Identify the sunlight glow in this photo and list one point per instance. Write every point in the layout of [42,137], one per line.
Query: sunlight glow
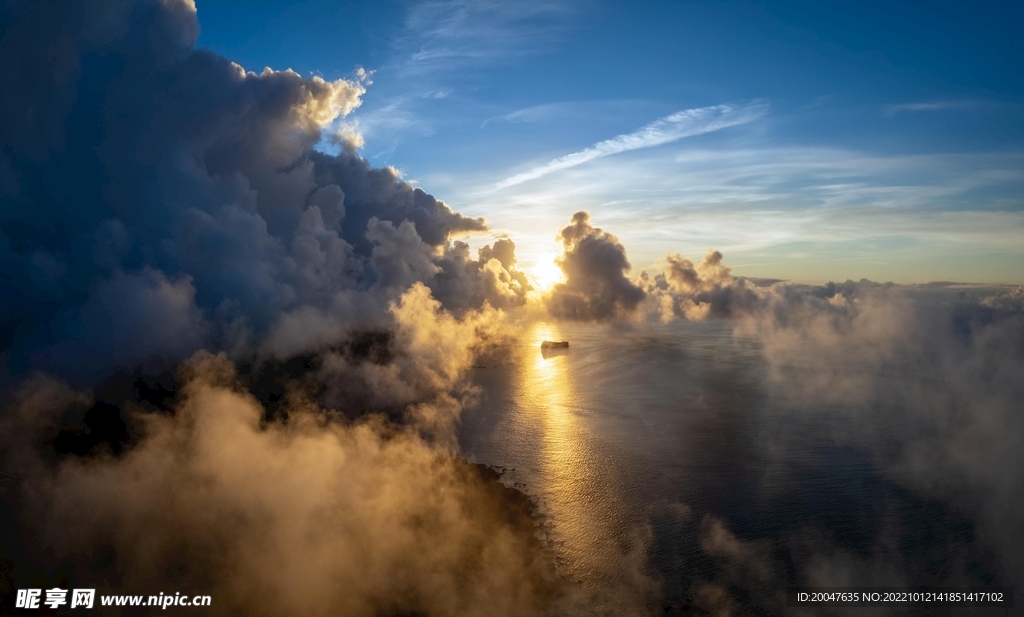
[546,273]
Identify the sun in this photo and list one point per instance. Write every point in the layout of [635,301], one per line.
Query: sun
[546,273]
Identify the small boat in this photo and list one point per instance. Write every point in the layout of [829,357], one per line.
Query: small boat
[554,344]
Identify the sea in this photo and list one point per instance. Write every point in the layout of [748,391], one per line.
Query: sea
[671,480]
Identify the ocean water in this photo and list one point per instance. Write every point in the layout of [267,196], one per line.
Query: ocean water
[639,444]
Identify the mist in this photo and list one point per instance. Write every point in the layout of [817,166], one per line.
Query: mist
[923,380]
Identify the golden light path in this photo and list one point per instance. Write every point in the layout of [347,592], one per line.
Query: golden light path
[577,488]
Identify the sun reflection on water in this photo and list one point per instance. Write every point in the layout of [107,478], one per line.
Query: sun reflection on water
[579,497]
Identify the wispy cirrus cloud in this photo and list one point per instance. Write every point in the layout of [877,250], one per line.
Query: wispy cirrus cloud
[791,211]
[439,47]
[448,35]
[951,105]
[674,127]
[549,112]
[536,113]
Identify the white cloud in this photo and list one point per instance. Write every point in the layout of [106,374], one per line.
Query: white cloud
[954,105]
[685,123]
[393,117]
[549,112]
[447,35]
[438,47]
[536,113]
[791,211]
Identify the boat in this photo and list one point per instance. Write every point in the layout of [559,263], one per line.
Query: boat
[554,344]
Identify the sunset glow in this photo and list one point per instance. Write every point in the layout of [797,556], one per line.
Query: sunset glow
[546,273]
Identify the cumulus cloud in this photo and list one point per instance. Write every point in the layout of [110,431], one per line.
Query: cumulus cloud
[702,290]
[492,278]
[426,353]
[1012,300]
[116,324]
[166,162]
[596,284]
[160,202]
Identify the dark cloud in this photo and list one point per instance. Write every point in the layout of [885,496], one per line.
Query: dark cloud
[129,155]
[707,289]
[464,282]
[157,200]
[596,285]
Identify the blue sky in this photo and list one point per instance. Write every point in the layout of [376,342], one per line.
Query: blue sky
[806,140]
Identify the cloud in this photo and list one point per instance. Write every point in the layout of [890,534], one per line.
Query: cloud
[596,286]
[952,105]
[920,382]
[448,35]
[492,278]
[923,380]
[1011,300]
[925,385]
[198,183]
[537,113]
[551,111]
[161,208]
[437,45]
[685,123]
[696,292]
[116,324]
[312,515]
[775,208]
[747,564]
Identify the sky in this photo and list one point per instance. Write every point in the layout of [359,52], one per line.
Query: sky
[807,141]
